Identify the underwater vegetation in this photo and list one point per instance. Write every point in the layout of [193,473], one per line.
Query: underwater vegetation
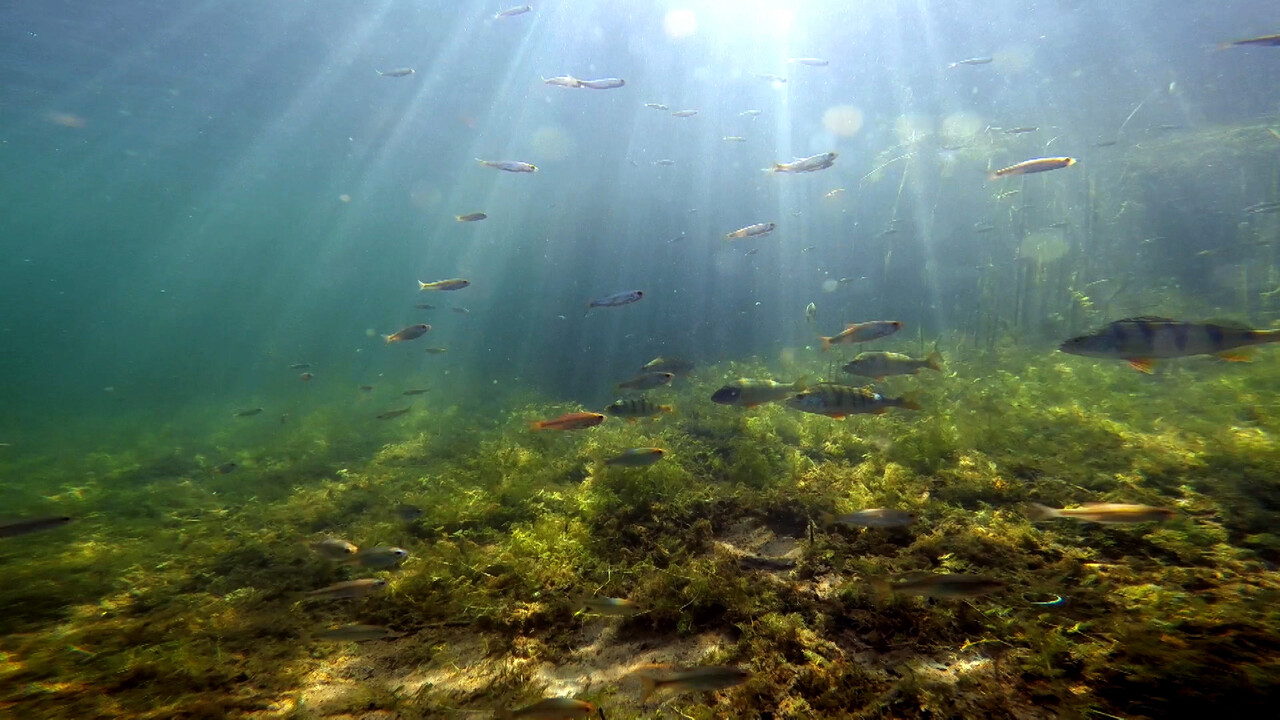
[180,590]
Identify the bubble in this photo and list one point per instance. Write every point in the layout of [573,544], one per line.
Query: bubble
[344,198]
[680,24]
[1044,246]
[842,120]
[552,143]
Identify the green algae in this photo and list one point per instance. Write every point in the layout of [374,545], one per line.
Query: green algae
[175,593]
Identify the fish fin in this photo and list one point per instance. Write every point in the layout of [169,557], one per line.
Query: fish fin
[537,425]
[826,343]
[840,416]
[388,339]
[910,401]
[934,361]
[1235,356]
[1146,365]
[1042,512]
[801,384]
[423,286]
[666,408]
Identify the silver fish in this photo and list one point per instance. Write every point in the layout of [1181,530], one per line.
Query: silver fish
[511,166]
[622,298]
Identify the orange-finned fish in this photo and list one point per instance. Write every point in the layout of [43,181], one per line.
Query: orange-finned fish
[1107,513]
[839,401]
[1261,41]
[757,230]
[861,332]
[1026,167]
[450,284]
[1142,340]
[555,708]
[409,333]
[569,421]
[706,678]
[880,365]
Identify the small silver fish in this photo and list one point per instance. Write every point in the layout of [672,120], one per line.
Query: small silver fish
[602,83]
[876,518]
[333,548]
[811,62]
[347,590]
[512,12]
[398,72]
[616,607]
[813,163]
[757,230]
[647,381]
[378,557]
[970,61]
[511,166]
[684,113]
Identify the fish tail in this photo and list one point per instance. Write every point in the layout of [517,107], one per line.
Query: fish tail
[423,286]
[826,343]
[537,425]
[909,401]
[389,338]
[666,408]
[881,585]
[934,361]
[993,176]
[1261,337]
[649,685]
[1042,512]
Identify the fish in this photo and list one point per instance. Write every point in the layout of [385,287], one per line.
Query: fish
[425,306]
[771,78]
[750,113]
[639,407]
[565,81]
[470,217]
[834,193]
[880,365]
[398,72]
[460,310]
[1106,513]
[436,350]
[813,163]
[647,381]
[569,421]
[684,113]
[354,633]
[512,12]
[409,512]
[616,607]
[418,391]
[616,299]
[366,388]
[247,412]
[1260,41]
[706,678]
[1263,208]
[938,585]
[392,414]
[300,366]
[333,548]
[861,332]
[409,333]
[511,166]
[811,62]
[750,392]
[1142,340]
[556,708]
[983,227]
[757,230]
[637,457]
[1026,167]
[305,376]
[26,526]
[733,138]
[875,518]
[347,590]
[839,401]
[602,83]
[970,61]
[666,364]
[656,106]
[443,285]
[225,468]
[811,313]
[378,557]
[664,162]
[751,252]
[1019,130]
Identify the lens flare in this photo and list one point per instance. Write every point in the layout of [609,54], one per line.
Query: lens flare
[842,120]
[679,24]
